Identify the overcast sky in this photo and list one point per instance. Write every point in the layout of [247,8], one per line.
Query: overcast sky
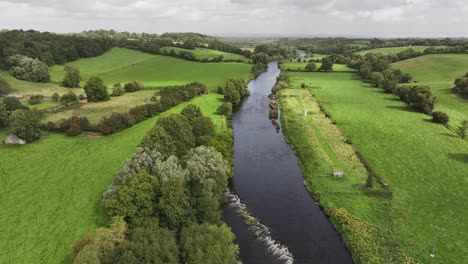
[372,18]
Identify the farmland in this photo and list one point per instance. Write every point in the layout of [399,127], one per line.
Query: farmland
[124,65]
[51,189]
[300,66]
[439,72]
[394,50]
[203,53]
[424,163]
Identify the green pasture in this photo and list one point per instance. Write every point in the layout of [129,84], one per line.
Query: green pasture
[203,53]
[425,164]
[300,66]
[395,50]
[50,190]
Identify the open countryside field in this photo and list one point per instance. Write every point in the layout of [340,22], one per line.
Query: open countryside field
[300,66]
[203,53]
[439,72]
[424,163]
[152,70]
[394,50]
[51,189]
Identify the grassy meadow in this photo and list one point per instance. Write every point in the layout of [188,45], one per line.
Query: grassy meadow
[121,65]
[51,190]
[203,53]
[425,164]
[395,50]
[300,66]
[439,72]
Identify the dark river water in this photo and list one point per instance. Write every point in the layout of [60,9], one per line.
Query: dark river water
[291,228]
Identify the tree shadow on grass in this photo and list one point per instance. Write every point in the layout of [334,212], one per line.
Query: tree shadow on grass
[462,157]
[405,108]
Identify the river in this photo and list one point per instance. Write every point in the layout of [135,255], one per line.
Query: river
[291,227]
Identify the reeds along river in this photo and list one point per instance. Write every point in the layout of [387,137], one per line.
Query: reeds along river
[274,218]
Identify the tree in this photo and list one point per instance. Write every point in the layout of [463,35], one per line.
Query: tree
[327,64]
[191,112]
[4,116]
[88,255]
[231,94]
[96,90]
[26,125]
[203,129]
[225,109]
[68,98]
[173,204]
[12,104]
[133,86]
[135,197]
[55,97]
[72,77]
[311,67]
[208,244]
[159,140]
[440,117]
[25,68]
[376,79]
[35,99]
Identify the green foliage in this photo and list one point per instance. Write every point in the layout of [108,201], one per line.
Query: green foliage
[55,97]
[440,117]
[225,109]
[12,104]
[231,94]
[5,87]
[191,112]
[173,205]
[26,125]
[376,79]
[327,64]
[135,197]
[117,91]
[133,86]
[96,90]
[25,68]
[4,116]
[461,85]
[463,129]
[72,77]
[311,67]
[258,68]
[88,255]
[35,99]
[68,98]
[208,244]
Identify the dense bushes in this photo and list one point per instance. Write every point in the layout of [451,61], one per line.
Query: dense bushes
[4,116]
[258,68]
[72,77]
[12,104]
[133,86]
[95,90]
[25,124]
[35,99]
[25,68]
[440,117]
[461,86]
[68,98]
[234,90]
[420,97]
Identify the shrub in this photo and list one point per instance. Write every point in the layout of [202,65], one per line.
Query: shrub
[75,127]
[133,86]
[95,90]
[35,99]
[81,97]
[440,117]
[311,67]
[12,104]
[25,68]
[117,91]
[4,116]
[26,125]
[115,123]
[72,77]
[55,97]
[139,113]
[153,109]
[225,109]
[69,98]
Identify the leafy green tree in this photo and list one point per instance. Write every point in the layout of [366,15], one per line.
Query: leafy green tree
[55,97]
[12,104]
[135,197]
[376,79]
[231,94]
[191,112]
[440,117]
[72,77]
[327,64]
[158,139]
[26,125]
[25,68]
[463,129]
[96,90]
[180,131]
[88,255]
[133,86]
[311,67]
[208,244]
[203,129]
[173,204]
[225,109]
[68,98]
[35,99]
[4,116]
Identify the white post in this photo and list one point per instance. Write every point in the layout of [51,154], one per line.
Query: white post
[304,112]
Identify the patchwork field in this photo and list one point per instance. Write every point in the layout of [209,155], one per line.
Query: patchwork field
[202,53]
[50,190]
[439,71]
[124,65]
[425,164]
[300,66]
[394,50]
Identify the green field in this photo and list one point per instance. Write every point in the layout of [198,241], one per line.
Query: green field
[300,66]
[425,164]
[395,50]
[439,72]
[124,65]
[51,189]
[31,88]
[203,53]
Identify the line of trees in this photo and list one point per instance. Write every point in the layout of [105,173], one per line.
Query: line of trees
[165,202]
[461,86]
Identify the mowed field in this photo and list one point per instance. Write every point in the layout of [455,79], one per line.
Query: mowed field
[300,66]
[51,190]
[395,50]
[203,53]
[439,72]
[425,165]
[124,65]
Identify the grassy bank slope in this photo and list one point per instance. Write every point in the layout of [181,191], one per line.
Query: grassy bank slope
[50,190]
[439,71]
[424,163]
